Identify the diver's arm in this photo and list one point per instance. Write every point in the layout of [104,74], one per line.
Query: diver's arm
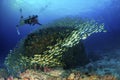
[39,23]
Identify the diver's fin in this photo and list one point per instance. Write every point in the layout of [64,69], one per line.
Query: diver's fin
[18,30]
[21,13]
[20,10]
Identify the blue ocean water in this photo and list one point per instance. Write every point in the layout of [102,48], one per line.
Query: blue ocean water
[105,11]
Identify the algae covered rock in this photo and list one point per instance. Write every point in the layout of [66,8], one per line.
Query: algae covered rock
[58,44]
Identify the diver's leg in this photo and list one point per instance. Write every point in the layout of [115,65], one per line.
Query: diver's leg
[17,29]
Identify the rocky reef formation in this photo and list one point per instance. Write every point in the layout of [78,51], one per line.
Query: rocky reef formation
[58,44]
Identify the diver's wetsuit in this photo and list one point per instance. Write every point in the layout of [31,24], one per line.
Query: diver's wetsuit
[27,21]
[32,20]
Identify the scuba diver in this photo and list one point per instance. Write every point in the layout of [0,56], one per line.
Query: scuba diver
[31,20]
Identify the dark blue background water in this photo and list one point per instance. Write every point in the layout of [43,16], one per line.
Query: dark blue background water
[106,11]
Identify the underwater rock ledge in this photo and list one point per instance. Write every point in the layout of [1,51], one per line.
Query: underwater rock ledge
[57,45]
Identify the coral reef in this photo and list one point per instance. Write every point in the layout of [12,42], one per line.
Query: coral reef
[105,69]
[54,45]
[16,63]
[3,73]
[50,44]
[109,64]
[58,75]
[72,75]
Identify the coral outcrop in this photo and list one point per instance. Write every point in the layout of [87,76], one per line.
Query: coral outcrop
[58,44]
